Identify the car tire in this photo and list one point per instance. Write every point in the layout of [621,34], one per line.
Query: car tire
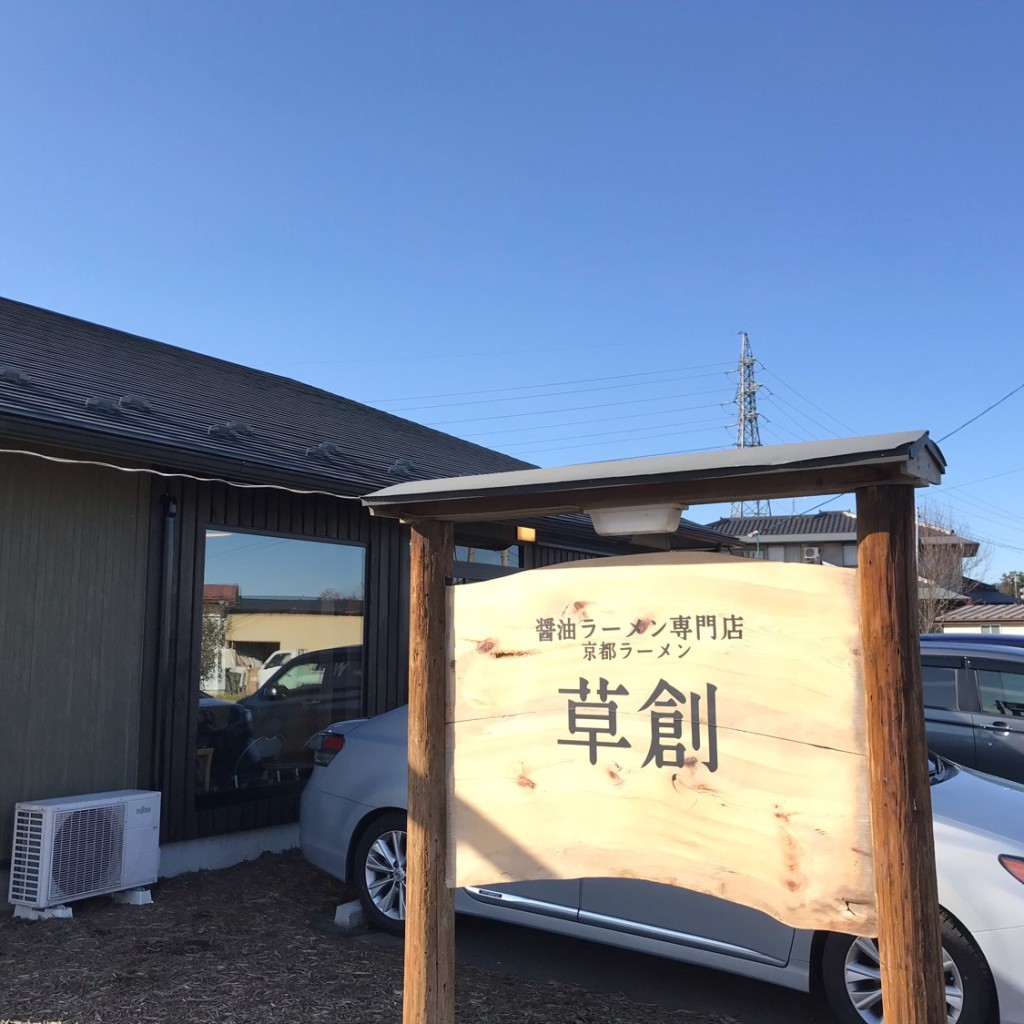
[378,871]
[852,984]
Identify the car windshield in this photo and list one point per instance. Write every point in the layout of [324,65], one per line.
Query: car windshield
[276,659]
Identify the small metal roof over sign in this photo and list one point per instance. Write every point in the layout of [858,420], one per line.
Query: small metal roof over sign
[770,471]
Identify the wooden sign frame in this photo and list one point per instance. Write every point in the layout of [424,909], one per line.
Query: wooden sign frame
[882,471]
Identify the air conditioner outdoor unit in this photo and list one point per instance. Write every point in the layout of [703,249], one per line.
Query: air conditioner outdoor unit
[70,848]
[812,554]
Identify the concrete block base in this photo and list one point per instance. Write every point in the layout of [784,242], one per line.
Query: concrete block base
[349,916]
[47,914]
[133,897]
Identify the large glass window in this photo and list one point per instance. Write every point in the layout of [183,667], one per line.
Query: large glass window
[472,564]
[281,656]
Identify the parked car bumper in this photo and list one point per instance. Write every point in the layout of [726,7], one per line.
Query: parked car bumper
[1002,948]
[327,823]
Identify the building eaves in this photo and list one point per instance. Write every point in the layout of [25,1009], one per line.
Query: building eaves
[69,382]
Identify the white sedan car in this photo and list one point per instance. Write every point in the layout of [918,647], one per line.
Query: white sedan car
[353,826]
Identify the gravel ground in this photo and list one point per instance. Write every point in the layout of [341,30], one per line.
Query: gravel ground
[249,944]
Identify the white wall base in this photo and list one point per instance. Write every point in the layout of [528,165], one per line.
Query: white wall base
[223,851]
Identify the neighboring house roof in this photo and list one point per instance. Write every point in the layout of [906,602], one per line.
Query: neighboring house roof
[993,613]
[70,382]
[817,526]
[985,593]
[938,535]
[699,533]
[929,591]
[823,527]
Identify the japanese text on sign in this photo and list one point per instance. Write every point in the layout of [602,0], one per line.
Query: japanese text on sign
[671,638]
[594,718]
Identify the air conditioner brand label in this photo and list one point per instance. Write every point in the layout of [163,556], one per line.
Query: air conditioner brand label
[143,809]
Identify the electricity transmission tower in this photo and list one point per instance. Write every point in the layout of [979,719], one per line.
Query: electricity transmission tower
[747,433]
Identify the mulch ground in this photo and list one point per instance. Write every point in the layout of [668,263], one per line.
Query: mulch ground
[249,945]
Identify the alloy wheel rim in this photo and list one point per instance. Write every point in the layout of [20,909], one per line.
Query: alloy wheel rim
[385,874]
[863,976]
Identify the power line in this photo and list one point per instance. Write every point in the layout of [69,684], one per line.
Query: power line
[436,356]
[688,451]
[772,402]
[822,504]
[800,412]
[555,383]
[502,432]
[579,408]
[1019,387]
[553,394]
[997,543]
[1011,518]
[985,479]
[806,399]
[619,458]
[778,426]
[613,434]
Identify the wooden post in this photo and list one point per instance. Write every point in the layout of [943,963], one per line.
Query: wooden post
[901,823]
[429,993]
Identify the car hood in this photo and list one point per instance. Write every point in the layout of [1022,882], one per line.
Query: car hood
[982,803]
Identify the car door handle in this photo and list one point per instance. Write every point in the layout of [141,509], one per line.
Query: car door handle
[311,702]
[1000,727]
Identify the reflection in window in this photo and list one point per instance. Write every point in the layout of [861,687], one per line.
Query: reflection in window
[1002,692]
[281,656]
[507,557]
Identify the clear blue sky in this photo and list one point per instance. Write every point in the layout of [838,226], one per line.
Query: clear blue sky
[399,201]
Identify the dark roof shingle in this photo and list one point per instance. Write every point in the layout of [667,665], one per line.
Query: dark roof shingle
[67,381]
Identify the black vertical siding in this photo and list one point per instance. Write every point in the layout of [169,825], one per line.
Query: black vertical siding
[101,577]
[387,614]
[73,559]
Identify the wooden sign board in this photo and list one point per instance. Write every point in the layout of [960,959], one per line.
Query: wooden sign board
[691,719]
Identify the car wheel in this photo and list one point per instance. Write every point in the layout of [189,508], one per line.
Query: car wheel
[851,978]
[379,872]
